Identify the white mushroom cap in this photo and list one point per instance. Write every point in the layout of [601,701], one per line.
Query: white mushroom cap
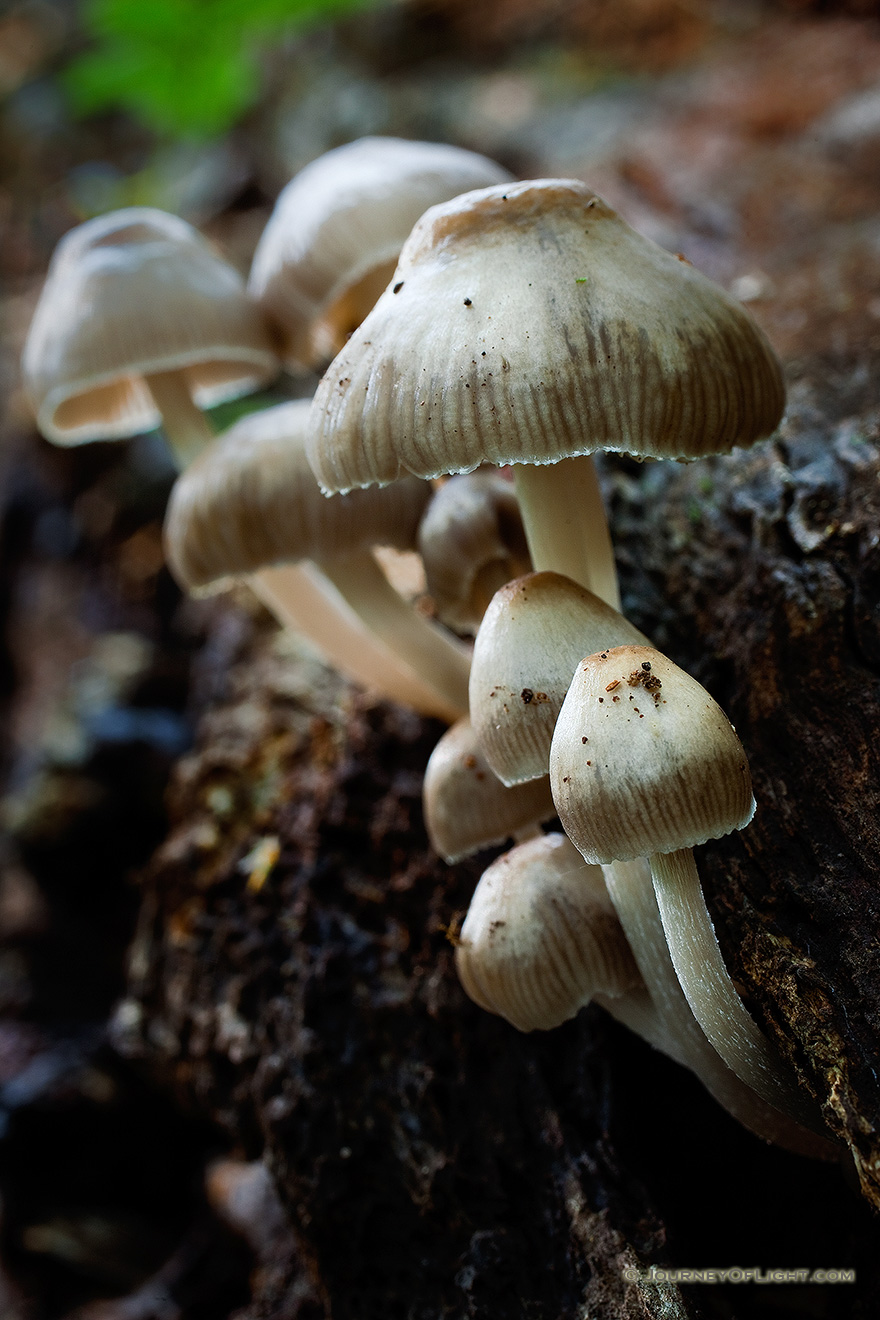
[129,294]
[644,761]
[250,500]
[526,323]
[532,636]
[471,540]
[466,807]
[541,937]
[333,239]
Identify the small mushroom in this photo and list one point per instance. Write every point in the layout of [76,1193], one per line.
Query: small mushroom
[139,319]
[532,636]
[660,772]
[250,503]
[466,807]
[541,938]
[528,324]
[333,239]
[471,540]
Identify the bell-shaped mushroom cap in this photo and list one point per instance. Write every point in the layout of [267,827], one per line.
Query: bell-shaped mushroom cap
[250,500]
[528,323]
[466,807]
[533,634]
[334,237]
[541,937]
[644,761]
[129,294]
[471,540]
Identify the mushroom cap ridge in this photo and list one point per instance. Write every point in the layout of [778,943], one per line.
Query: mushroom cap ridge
[526,323]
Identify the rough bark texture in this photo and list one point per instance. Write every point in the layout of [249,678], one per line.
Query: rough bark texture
[432,1160]
[772,561]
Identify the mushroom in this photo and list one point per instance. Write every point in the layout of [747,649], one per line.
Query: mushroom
[645,764]
[250,503]
[532,636]
[528,324]
[541,939]
[467,808]
[139,319]
[334,237]
[471,540]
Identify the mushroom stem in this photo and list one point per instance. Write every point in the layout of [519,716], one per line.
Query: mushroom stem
[440,659]
[700,968]
[298,595]
[631,890]
[565,523]
[306,600]
[186,428]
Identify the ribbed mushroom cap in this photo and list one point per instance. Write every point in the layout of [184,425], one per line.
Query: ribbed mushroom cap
[471,535]
[644,761]
[532,636]
[250,500]
[466,807]
[541,937]
[334,237]
[527,323]
[130,294]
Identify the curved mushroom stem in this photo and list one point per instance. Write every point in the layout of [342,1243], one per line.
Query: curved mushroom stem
[300,597]
[440,659]
[708,988]
[632,892]
[304,598]
[565,523]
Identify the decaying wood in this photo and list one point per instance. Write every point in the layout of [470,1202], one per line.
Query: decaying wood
[293,968]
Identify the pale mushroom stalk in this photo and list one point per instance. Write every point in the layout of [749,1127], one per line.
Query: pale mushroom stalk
[300,599]
[441,660]
[631,891]
[565,523]
[700,968]
[185,426]
[541,940]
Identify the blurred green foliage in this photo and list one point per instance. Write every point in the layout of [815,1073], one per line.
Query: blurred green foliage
[185,68]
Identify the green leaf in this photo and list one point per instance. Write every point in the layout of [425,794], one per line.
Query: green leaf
[184,67]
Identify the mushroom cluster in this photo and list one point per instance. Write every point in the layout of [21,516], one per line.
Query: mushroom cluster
[489,336]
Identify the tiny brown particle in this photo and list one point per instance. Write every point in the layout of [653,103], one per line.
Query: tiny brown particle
[527,696]
[583,740]
[470,762]
[613,684]
[468,303]
[601,699]
[589,763]
[615,698]
[397,287]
